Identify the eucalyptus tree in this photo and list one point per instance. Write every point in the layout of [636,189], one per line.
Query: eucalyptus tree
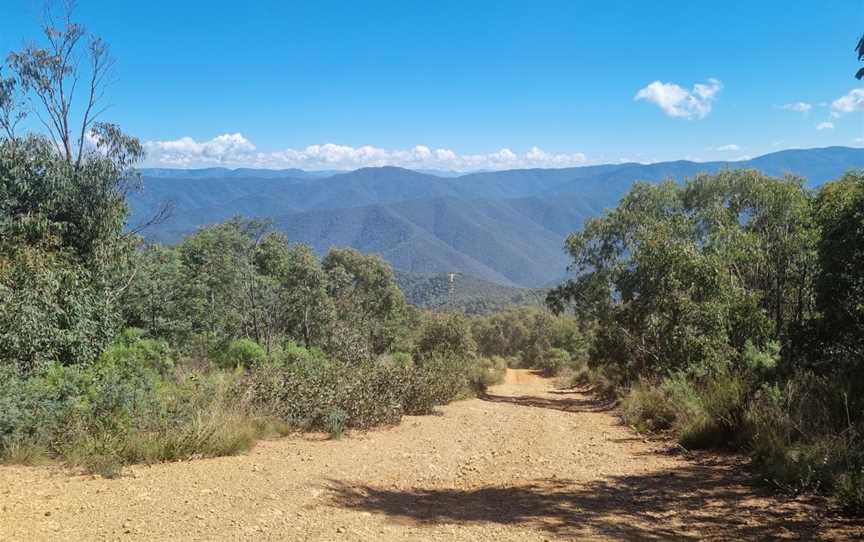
[366,296]
[65,256]
[840,284]
[684,277]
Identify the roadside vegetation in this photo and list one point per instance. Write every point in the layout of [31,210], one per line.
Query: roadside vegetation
[114,351]
[729,312]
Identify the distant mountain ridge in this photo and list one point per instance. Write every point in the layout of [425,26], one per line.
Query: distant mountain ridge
[506,227]
[445,291]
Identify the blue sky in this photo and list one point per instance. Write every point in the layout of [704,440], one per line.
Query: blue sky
[473,85]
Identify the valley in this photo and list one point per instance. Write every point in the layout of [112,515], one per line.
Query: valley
[506,227]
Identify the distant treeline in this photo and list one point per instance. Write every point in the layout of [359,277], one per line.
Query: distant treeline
[460,292]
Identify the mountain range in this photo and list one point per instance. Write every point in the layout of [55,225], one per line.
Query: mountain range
[505,227]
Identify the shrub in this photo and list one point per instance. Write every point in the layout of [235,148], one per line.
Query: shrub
[850,491]
[435,380]
[597,378]
[487,372]
[648,408]
[242,353]
[119,411]
[553,361]
[448,335]
[761,362]
[133,349]
[305,394]
[805,435]
[291,352]
[51,309]
[709,413]
[704,414]
[334,422]
[372,395]
[403,359]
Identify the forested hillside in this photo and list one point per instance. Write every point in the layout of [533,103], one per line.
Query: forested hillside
[503,226]
[464,293]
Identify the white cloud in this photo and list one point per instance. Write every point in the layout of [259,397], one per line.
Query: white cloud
[851,102]
[858,141]
[234,150]
[799,107]
[728,148]
[186,151]
[679,102]
[825,126]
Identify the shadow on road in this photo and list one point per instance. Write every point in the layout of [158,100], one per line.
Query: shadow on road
[567,401]
[694,503]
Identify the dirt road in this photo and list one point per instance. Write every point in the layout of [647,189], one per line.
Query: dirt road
[526,463]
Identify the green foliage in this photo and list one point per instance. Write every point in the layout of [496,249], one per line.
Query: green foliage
[334,422]
[436,380]
[242,353]
[240,279]
[63,252]
[306,394]
[747,290]
[840,283]
[681,277]
[446,335]
[133,349]
[527,334]
[50,309]
[760,362]
[121,410]
[156,299]
[553,361]
[366,296]
[487,372]
[807,434]
[648,408]
[704,414]
[82,206]
[714,410]
[464,293]
[291,352]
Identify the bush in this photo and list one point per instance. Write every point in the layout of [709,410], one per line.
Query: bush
[648,408]
[599,379]
[242,353]
[487,372]
[708,413]
[119,411]
[850,491]
[448,335]
[808,435]
[133,349]
[716,419]
[331,396]
[334,422]
[50,310]
[291,352]
[305,394]
[436,380]
[553,361]
[705,414]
